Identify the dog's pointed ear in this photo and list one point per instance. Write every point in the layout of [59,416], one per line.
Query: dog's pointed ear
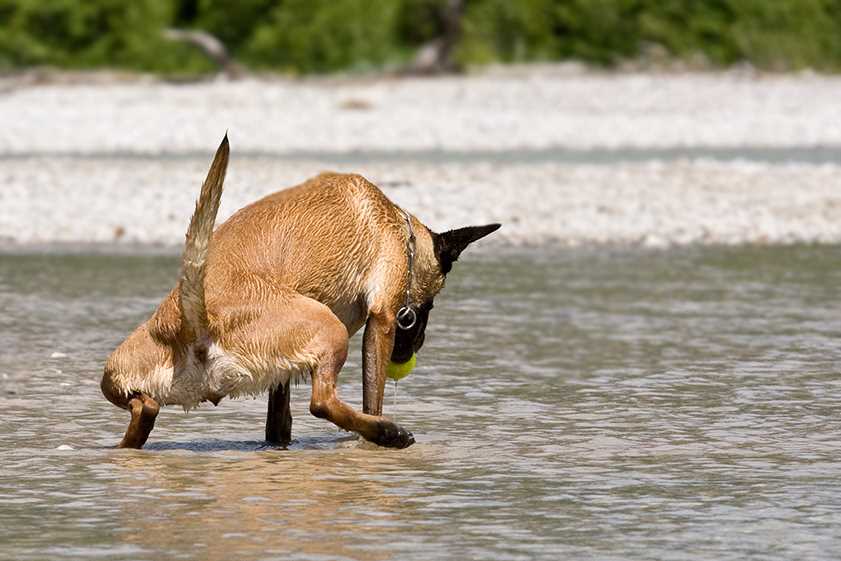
[449,245]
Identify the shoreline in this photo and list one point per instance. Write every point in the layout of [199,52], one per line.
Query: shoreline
[491,251]
[819,154]
[648,204]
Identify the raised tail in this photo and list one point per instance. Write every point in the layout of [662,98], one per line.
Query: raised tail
[191,287]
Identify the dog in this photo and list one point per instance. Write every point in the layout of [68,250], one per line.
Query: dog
[275,292]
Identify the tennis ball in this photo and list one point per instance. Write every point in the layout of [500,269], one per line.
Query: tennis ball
[397,371]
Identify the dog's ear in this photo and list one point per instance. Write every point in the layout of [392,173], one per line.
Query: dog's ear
[449,245]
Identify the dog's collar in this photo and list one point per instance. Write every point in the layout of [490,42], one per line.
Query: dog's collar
[406,316]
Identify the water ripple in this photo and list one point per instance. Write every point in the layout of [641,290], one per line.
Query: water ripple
[585,404]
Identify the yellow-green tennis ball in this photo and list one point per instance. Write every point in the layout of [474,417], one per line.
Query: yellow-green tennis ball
[397,371]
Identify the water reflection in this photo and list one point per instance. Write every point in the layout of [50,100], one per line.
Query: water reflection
[309,503]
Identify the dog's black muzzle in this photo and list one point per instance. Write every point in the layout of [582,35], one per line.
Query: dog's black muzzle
[409,341]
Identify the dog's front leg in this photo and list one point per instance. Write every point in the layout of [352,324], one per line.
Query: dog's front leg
[279,417]
[326,404]
[377,345]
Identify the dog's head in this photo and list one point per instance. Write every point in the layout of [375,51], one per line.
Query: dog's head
[447,247]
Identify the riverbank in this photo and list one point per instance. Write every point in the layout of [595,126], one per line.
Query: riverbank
[558,154]
[655,204]
[523,107]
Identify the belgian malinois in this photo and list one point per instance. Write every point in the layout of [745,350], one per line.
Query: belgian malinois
[275,292]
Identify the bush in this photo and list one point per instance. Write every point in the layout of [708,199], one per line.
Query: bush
[232,22]
[326,35]
[73,34]
[783,34]
[508,31]
[778,34]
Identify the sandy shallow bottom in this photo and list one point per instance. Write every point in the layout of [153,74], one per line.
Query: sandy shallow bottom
[149,201]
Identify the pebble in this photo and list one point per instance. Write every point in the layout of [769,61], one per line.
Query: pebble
[670,204]
[517,107]
[98,196]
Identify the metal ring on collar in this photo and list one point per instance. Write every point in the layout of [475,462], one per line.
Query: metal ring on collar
[406,318]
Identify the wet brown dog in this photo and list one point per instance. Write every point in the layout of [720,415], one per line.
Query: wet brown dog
[275,292]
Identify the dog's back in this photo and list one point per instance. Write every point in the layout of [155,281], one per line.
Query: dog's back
[325,239]
[319,239]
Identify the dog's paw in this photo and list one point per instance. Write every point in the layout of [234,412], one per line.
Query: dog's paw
[391,435]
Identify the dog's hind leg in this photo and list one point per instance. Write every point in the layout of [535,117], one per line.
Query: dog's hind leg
[279,417]
[144,410]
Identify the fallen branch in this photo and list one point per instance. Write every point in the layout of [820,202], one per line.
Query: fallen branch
[212,47]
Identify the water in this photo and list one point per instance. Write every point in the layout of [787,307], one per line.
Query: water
[582,404]
[814,154]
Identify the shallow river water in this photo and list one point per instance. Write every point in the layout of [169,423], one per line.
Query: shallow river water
[580,404]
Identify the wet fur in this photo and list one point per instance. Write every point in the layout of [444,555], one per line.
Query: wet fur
[343,263]
[273,295]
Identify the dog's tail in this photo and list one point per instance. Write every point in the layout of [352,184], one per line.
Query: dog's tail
[191,287]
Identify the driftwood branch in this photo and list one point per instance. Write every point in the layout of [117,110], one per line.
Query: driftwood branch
[212,47]
[436,56]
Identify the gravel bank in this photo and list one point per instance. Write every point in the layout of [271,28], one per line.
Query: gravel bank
[121,161]
[520,108]
[149,201]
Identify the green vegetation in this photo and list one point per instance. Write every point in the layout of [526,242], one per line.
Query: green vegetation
[326,35]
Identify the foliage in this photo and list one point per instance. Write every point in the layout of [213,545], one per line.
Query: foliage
[232,22]
[772,34]
[326,35]
[74,34]
[322,35]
